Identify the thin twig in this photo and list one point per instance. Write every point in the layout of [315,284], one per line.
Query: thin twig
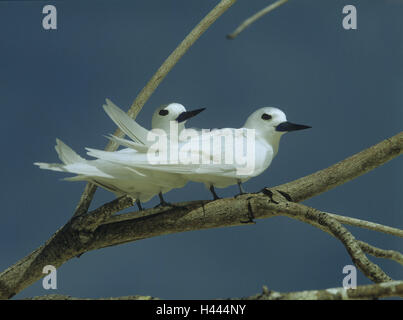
[307,214]
[367,225]
[255,17]
[381,253]
[366,247]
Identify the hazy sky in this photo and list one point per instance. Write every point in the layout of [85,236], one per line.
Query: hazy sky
[346,84]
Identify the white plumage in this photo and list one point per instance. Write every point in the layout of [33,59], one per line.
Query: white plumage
[140,183]
[260,137]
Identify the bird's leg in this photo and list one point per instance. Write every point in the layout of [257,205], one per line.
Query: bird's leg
[214,193]
[163,203]
[241,189]
[139,205]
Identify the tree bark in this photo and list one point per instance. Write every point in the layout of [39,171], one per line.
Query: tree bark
[75,238]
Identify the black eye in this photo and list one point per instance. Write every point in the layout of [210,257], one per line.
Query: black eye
[266,116]
[163,112]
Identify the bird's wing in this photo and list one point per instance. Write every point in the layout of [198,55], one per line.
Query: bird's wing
[187,169]
[126,156]
[77,168]
[130,127]
[72,162]
[208,160]
[129,144]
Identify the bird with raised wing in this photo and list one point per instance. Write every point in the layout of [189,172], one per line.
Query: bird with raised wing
[141,184]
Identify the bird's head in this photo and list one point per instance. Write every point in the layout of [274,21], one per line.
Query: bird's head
[172,112]
[271,122]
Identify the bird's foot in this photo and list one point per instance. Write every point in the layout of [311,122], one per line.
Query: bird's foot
[165,204]
[241,189]
[139,205]
[215,196]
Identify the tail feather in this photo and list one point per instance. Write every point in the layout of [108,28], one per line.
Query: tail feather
[66,154]
[79,177]
[72,163]
[51,166]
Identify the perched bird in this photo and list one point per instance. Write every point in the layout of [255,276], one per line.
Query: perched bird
[140,184]
[259,139]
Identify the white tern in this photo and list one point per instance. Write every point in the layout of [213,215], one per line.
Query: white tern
[261,132]
[141,184]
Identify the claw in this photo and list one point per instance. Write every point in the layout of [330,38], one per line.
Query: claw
[163,203]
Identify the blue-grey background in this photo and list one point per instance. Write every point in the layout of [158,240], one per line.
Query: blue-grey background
[346,84]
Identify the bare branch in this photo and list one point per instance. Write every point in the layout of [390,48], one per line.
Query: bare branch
[69,242]
[65,297]
[365,247]
[371,270]
[90,221]
[381,253]
[230,212]
[343,171]
[255,17]
[174,57]
[372,291]
[367,225]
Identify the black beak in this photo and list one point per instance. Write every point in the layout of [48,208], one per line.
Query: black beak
[288,126]
[188,114]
